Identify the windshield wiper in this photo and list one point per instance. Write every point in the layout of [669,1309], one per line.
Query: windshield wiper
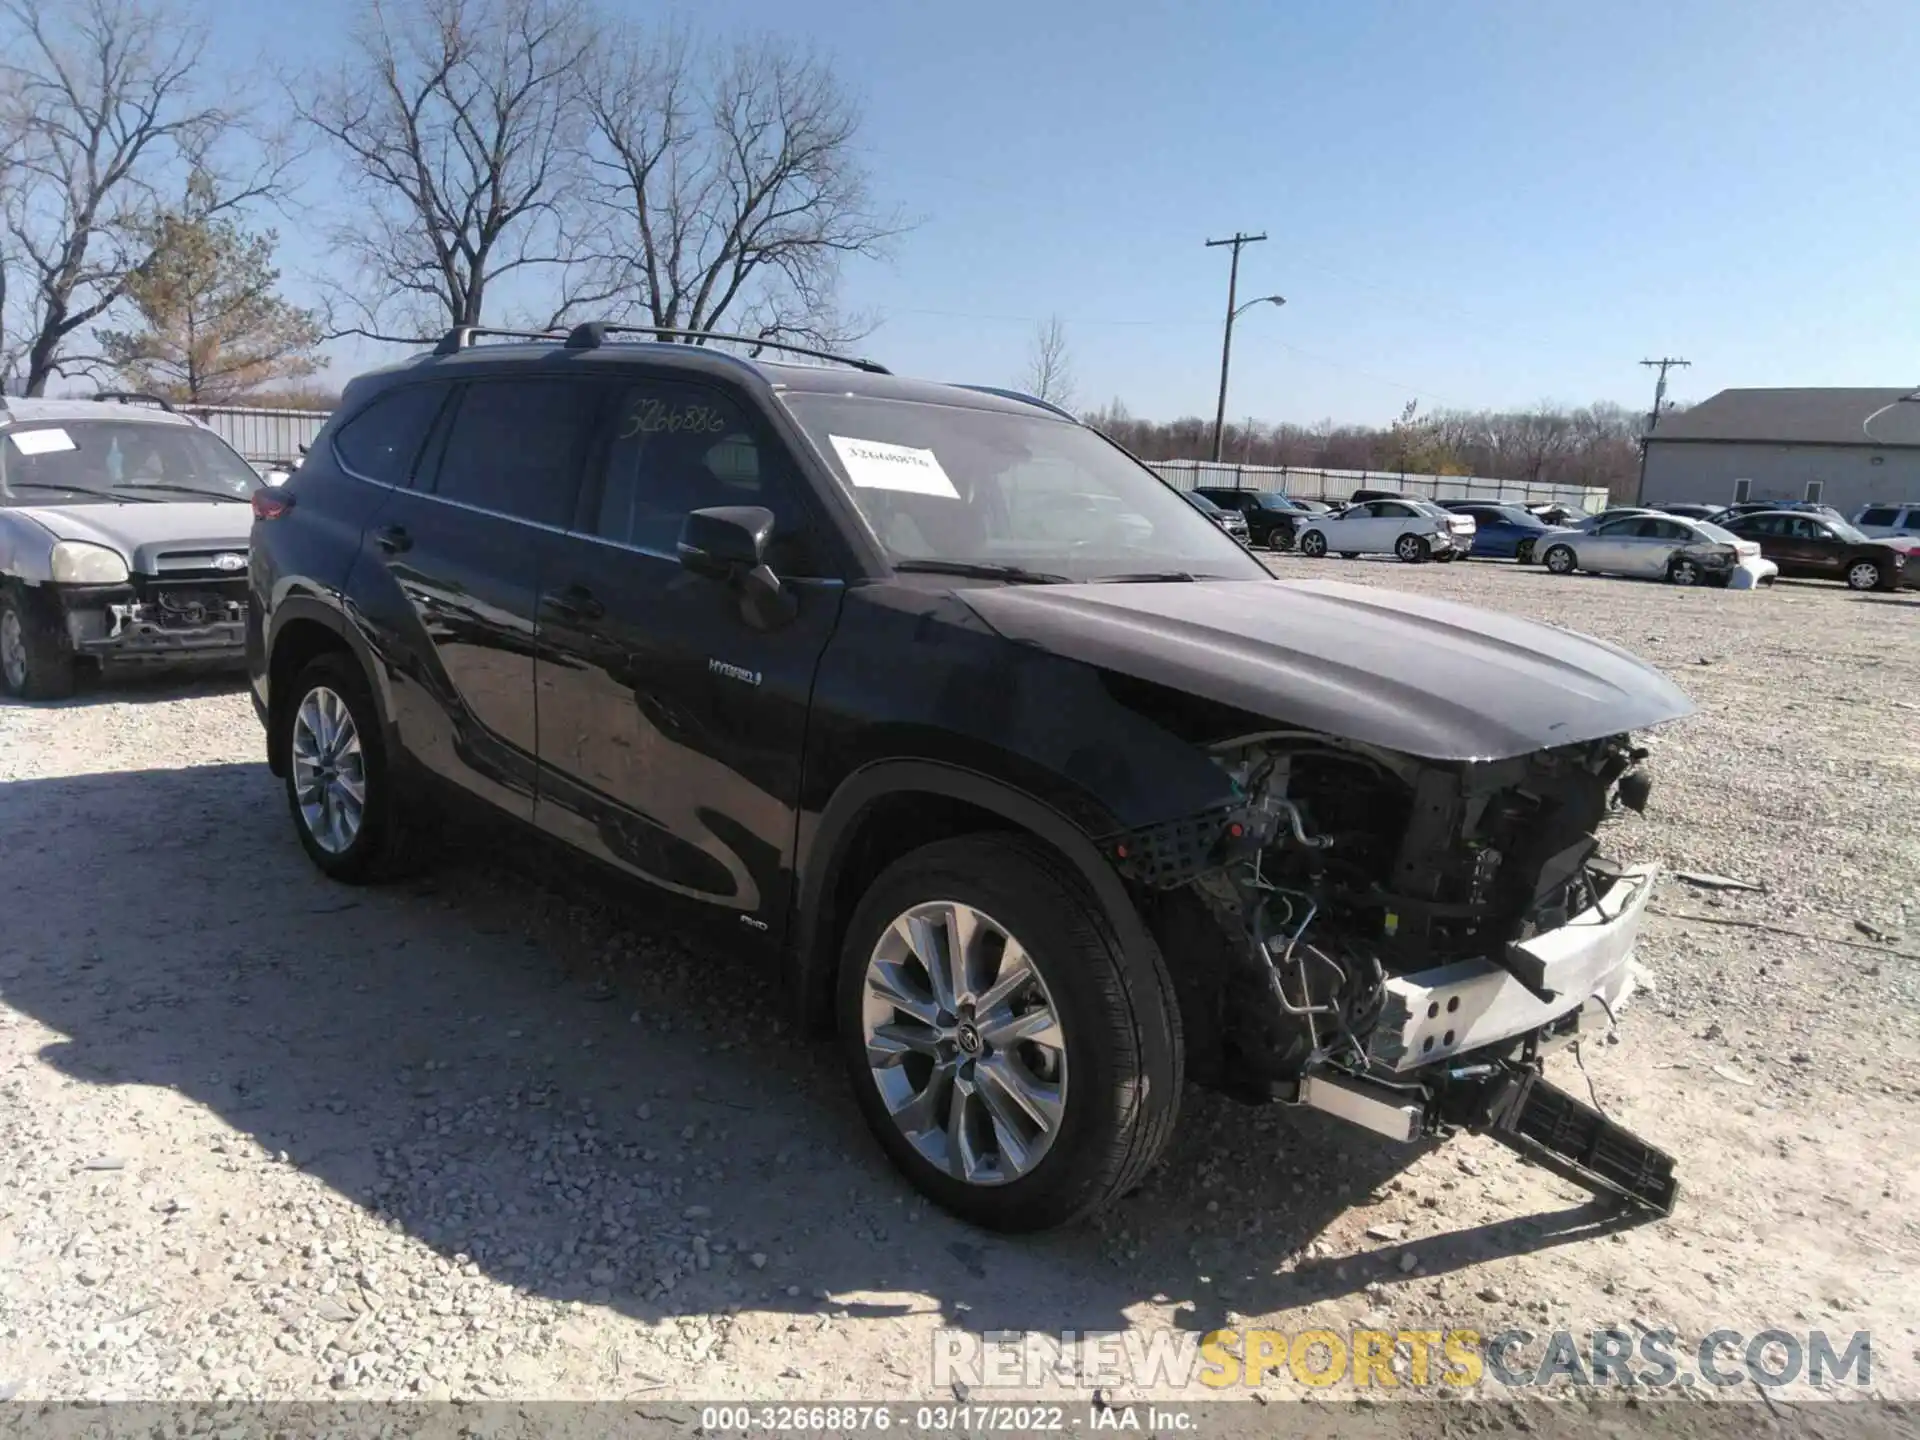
[980,570]
[181,490]
[1153,577]
[74,490]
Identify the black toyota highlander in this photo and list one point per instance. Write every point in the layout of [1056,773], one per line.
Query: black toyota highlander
[1034,788]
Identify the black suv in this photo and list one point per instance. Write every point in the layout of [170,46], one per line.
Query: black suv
[1030,783]
[1272,519]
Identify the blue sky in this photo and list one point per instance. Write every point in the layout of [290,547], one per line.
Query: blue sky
[1469,204]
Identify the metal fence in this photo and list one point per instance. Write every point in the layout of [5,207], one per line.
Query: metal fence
[1310,484]
[263,437]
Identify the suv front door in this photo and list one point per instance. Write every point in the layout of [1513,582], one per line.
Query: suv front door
[462,548]
[671,729]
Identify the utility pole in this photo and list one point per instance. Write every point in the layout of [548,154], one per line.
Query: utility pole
[1664,364]
[1226,344]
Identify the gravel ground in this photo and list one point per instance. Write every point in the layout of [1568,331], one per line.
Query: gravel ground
[492,1134]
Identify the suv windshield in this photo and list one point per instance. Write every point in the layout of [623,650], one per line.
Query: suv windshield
[957,485]
[78,462]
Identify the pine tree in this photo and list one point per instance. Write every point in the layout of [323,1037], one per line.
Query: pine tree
[211,325]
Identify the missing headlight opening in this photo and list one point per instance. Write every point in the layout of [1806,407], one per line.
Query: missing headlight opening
[1398,941]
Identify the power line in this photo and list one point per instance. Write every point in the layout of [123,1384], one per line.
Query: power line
[1663,364]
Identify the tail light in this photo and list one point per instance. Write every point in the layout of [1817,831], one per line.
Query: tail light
[270,504]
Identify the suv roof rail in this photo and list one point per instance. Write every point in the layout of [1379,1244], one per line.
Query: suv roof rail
[461,337]
[593,334]
[1005,394]
[136,397]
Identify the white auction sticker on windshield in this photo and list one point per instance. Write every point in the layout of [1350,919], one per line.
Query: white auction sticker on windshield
[41,442]
[876,465]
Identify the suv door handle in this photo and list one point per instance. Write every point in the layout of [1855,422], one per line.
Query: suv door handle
[393,539]
[576,602]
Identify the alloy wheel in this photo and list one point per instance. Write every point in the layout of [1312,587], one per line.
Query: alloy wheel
[1560,560]
[1684,572]
[1863,575]
[964,1043]
[329,770]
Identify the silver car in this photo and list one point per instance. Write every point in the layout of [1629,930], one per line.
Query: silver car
[1655,546]
[123,541]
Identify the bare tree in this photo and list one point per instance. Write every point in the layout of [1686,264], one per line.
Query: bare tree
[721,188]
[104,123]
[454,119]
[1049,372]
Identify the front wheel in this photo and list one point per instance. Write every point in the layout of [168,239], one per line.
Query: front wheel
[1313,545]
[340,788]
[1683,571]
[36,662]
[1523,553]
[1018,1061]
[1413,549]
[1560,560]
[1863,575]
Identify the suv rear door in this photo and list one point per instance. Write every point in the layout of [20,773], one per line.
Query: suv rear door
[463,550]
[672,730]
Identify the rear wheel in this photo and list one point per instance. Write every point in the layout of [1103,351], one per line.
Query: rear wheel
[1560,560]
[36,662]
[1863,575]
[1313,545]
[1413,549]
[340,787]
[1017,1061]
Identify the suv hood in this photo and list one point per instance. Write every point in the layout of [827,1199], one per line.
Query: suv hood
[141,532]
[1429,678]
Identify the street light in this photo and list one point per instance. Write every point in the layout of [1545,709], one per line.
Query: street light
[1226,358]
[1866,424]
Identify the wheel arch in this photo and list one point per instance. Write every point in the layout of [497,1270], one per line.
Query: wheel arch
[304,629]
[889,806]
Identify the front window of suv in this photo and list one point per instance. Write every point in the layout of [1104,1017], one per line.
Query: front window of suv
[79,462]
[954,485]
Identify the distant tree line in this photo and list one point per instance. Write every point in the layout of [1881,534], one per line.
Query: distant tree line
[1552,444]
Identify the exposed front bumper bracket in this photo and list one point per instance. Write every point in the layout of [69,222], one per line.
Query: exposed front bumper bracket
[1526,1113]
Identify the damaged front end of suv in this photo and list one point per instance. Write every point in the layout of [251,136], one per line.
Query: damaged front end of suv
[1393,911]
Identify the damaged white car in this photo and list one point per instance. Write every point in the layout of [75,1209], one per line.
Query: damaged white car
[1659,547]
[123,541]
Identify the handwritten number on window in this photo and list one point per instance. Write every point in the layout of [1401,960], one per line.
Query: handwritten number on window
[654,417]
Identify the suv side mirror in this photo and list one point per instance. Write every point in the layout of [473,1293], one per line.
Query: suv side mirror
[725,542]
[728,543]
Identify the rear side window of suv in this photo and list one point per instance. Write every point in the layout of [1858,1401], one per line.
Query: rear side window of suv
[383,440]
[1884,515]
[515,447]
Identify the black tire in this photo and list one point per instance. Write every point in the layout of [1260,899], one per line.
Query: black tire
[1561,560]
[386,845]
[1126,1059]
[1313,545]
[1523,552]
[1413,549]
[1685,572]
[45,661]
[1865,574]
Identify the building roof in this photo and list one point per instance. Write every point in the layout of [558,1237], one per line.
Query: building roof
[1800,417]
